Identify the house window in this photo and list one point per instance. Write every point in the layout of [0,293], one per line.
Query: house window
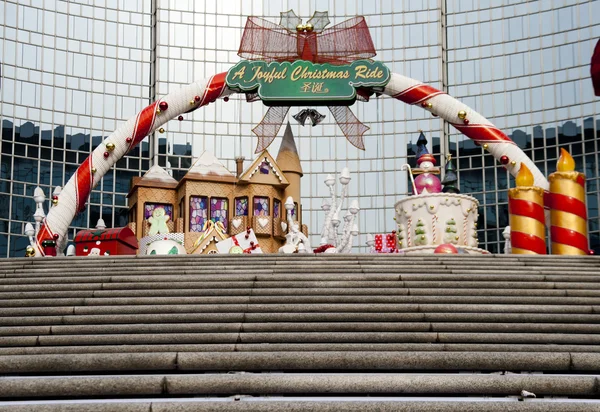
[264,168]
[241,206]
[182,208]
[276,208]
[149,209]
[132,213]
[198,212]
[261,206]
[218,210]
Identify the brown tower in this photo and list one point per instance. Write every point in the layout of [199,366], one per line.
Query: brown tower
[289,162]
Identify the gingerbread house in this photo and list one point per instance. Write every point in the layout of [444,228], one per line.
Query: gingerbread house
[253,197]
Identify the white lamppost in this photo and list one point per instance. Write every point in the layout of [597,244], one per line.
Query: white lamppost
[289,206]
[30,233]
[100,225]
[38,216]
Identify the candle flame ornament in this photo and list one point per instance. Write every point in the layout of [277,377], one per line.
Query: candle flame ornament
[568,211]
[526,215]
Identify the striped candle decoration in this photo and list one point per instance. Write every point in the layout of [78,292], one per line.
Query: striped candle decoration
[568,211]
[526,214]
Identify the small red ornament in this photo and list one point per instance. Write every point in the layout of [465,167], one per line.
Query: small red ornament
[226,99]
[197,98]
[504,159]
[128,140]
[247,236]
[591,252]
[55,236]
[466,121]
[54,197]
[180,118]
[106,154]
[424,104]
[163,106]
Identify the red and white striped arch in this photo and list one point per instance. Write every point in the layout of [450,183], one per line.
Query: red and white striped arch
[75,194]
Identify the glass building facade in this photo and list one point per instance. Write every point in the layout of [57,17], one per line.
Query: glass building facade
[72,71]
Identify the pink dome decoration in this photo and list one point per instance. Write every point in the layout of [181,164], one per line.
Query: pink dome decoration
[447,248]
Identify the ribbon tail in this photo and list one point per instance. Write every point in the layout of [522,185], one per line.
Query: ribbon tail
[269,126]
[352,128]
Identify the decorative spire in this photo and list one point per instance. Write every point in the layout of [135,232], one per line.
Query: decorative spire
[287,158]
[423,154]
[421,145]
[450,177]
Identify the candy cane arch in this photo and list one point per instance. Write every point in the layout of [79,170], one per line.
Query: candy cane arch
[74,195]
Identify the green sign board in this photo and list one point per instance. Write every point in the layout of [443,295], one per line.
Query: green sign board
[303,82]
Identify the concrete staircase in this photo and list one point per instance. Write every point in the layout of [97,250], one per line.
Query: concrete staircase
[147,333]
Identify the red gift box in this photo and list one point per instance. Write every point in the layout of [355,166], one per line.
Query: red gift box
[389,246]
[378,242]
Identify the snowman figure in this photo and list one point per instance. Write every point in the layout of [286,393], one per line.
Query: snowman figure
[158,222]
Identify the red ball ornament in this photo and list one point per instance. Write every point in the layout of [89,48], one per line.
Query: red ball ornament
[226,99]
[54,197]
[197,98]
[55,236]
[106,154]
[504,159]
[591,252]
[163,106]
[466,121]
[447,248]
[128,140]
[180,118]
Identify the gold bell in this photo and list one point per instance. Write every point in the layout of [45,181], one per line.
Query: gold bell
[110,146]
[513,163]
[29,251]
[93,170]
[300,27]
[309,27]
[462,114]
[485,146]
[54,202]
[161,130]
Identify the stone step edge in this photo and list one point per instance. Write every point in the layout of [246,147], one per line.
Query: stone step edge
[293,383]
[305,361]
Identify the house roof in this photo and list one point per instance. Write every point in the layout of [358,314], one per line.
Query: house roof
[155,177]
[212,234]
[207,166]
[250,175]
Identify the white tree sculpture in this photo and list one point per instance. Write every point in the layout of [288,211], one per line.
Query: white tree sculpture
[332,208]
